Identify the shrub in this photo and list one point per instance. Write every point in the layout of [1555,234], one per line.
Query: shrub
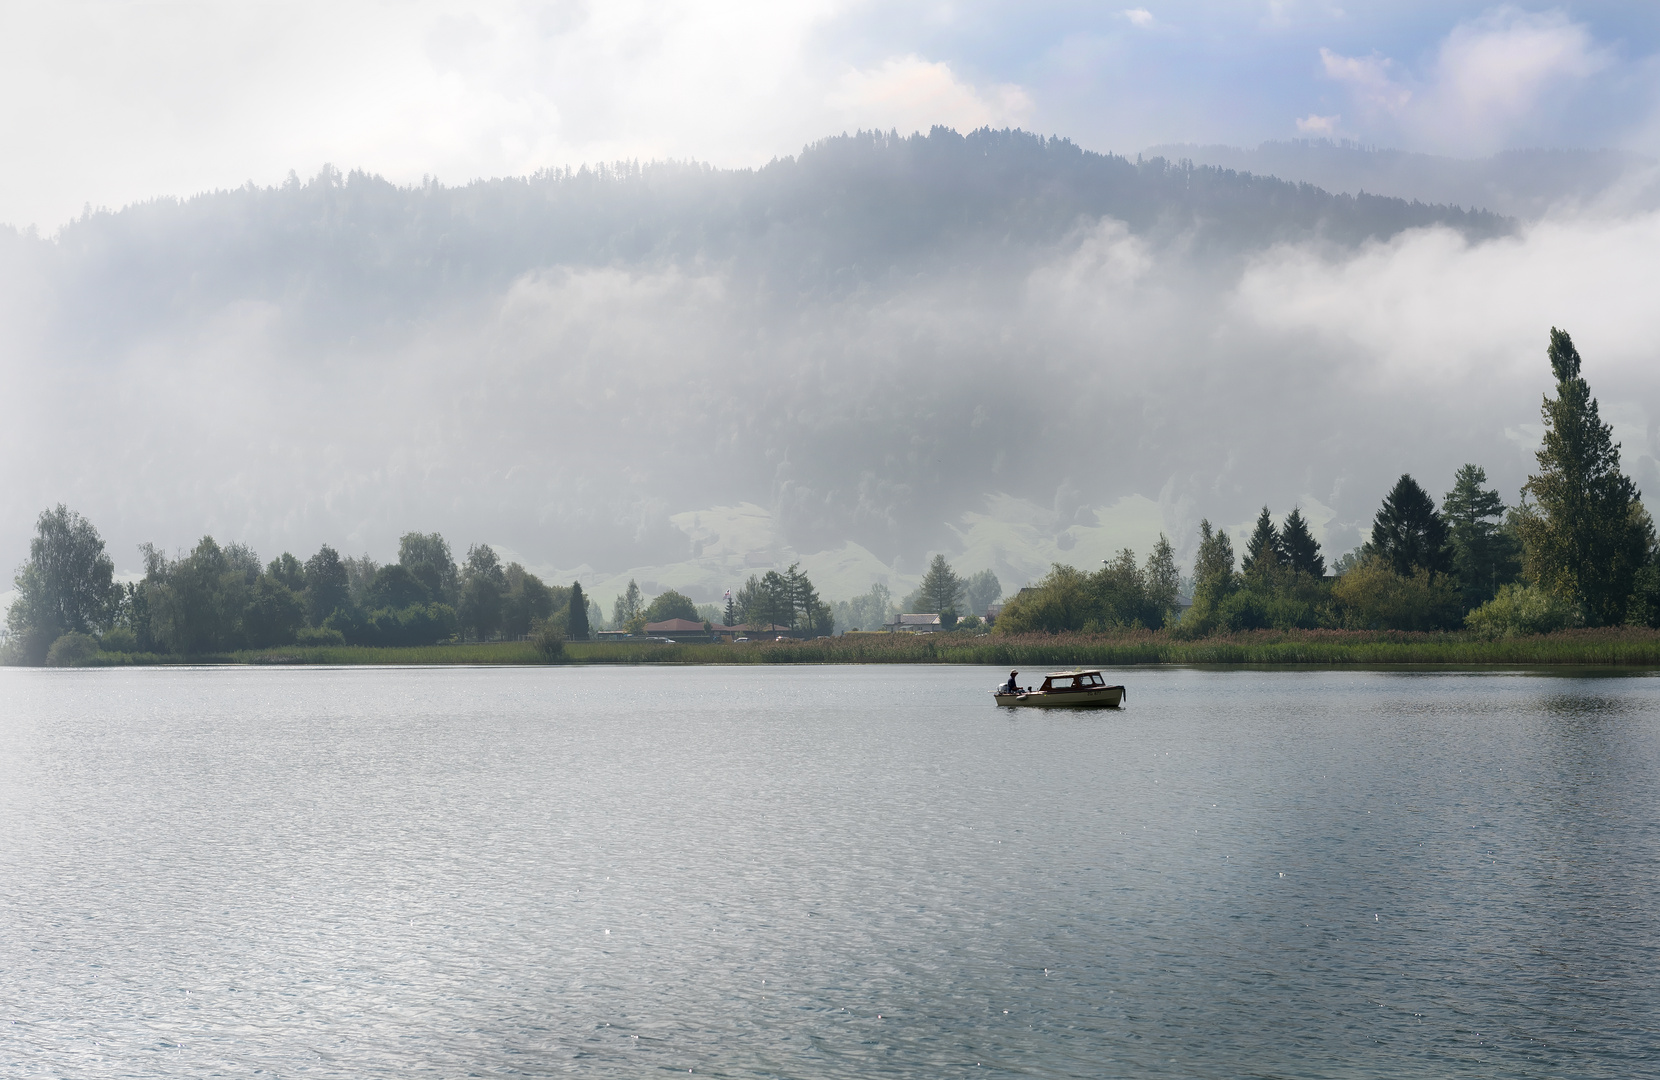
[119,640]
[1374,597]
[1522,609]
[319,635]
[549,639]
[71,649]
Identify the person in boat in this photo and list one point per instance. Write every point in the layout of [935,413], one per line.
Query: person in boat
[1010,687]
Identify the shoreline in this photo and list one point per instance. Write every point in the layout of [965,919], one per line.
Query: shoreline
[1619,647]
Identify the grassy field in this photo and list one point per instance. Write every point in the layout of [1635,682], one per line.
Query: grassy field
[1620,646]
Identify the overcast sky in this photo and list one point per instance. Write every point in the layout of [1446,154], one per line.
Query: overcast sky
[107,103]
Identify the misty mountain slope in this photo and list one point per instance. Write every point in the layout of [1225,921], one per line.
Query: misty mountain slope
[356,254]
[993,345]
[1523,183]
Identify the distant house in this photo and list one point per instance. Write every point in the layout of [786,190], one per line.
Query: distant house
[922,623]
[992,612]
[679,630]
[754,632]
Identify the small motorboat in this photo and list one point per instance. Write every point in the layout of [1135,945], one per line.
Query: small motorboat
[1066,690]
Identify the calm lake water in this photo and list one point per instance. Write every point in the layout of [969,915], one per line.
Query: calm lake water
[826,872]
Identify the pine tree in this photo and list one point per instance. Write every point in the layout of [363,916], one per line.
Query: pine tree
[1302,551]
[941,589]
[1485,556]
[1163,580]
[1408,532]
[1586,534]
[1262,550]
[730,617]
[576,617]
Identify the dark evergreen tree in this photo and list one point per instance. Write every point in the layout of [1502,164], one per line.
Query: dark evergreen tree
[941,589]
[1302,551]
[1408,531]
[1262,550]
[730,616]
[576,618]
[1586,534]
[1485,554]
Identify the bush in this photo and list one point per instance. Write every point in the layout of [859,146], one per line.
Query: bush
[71,649]
[119,640]
[549,639]
[1374,597]
[1522,609]
[319,635]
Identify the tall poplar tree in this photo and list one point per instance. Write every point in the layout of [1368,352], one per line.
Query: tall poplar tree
[1585,534]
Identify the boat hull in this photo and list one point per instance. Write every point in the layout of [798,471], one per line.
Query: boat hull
[1103,697]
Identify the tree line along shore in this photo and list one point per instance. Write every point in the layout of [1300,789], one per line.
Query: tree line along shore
[1570,575]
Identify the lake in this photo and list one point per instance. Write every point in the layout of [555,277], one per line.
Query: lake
[826,872]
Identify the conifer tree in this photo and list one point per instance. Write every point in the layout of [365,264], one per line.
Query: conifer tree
[1302,551]
[576,616]
[1585,535]
[730,617]
[1408,532]
[1262,550]
[941,589]
[1485,556]
[1213,566]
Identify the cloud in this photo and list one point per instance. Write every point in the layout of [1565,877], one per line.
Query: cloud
[1322,126]
[1138,17]
[1489,80]
[913,94]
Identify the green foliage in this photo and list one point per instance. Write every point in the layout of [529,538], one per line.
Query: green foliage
[1522,609]
[1643,609]
[1301,550]
[327,585]
[576,618]
[1485,554]
[528,603]
[273,615]
[1119,595]
[71,649]
[67,586]
[549,640]
[394,586]
[319,635]
[867,612]
[941,590]
[1374,596]
[198,604]
[427,557]
[628,606]
[671,605]
[1408,532]
[1585,534]
[1262,550]
[360,577]
[288,572]
[981,591]
[119,639]
[483,593]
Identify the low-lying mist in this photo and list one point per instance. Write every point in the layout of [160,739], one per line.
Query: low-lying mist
[998,346]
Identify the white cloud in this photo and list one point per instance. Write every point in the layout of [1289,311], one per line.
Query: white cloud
[1370,78]
[1140,17]
[913,94]
[1490,79]
[1323,126]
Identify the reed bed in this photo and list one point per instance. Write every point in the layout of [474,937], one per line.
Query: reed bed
[1608,647]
